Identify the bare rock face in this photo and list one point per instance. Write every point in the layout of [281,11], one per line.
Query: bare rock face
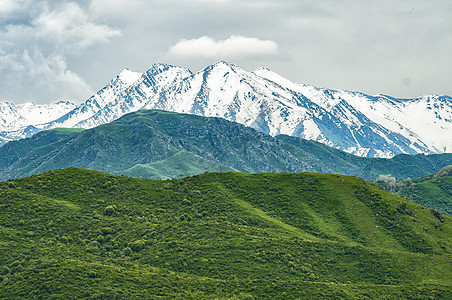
[437,226]
[439,215]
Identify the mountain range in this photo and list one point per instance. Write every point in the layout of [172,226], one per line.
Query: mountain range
[159,144]
[364,125]
[22,120]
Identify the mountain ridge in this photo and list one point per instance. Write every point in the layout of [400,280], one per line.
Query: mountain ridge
[140,141]
[373,126]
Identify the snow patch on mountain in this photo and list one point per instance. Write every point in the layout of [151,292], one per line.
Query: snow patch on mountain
[22,120]
[361,124]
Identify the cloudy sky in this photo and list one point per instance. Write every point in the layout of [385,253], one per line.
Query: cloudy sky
[55,50]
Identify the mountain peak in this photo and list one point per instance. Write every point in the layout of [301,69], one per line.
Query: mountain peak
[268,102]
[222,62]
[128,76]
[221,65]
[64,102]
[158,68]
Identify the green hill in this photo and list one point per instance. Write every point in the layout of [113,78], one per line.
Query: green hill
[78,233]
[35,147]
[433,191]
[158,144]
[181,164]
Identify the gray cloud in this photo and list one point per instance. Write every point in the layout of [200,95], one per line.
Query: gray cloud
[32,76]
[35,46]
[71,28]
[370,46]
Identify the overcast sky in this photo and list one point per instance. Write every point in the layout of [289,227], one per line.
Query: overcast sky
[64,50]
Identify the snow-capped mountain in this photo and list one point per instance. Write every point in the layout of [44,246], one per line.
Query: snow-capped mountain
[101,100]
[20,120]
[378,126]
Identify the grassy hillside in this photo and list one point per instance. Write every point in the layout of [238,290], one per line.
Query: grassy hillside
[181,164]
[158,144]
[35,147]
[401,166]
[433,191]
[77,233]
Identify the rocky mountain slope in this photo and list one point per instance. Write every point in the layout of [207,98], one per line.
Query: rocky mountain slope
[160,145]
[19,121]
[373,126]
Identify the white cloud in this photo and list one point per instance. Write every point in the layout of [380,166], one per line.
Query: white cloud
[33,77]
[236,46]
[358,45]
[36,40]
[7,6]
[71,27]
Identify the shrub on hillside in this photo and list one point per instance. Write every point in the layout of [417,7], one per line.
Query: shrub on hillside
[446,171]
[110,210]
